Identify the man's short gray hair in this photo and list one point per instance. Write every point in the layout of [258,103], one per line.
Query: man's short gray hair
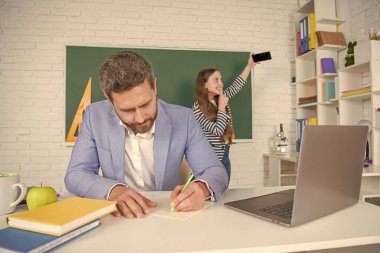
[123,71]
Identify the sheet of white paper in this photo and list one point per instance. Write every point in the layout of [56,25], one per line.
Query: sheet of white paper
[163,206]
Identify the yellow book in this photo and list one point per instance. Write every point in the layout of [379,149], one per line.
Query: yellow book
[62,216]
[356,92]
[313,121]
[312,35]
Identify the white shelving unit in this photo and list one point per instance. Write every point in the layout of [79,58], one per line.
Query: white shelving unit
[309,79]
[340,110]
[308,68]
[283,169]
[370,182]
[355,108]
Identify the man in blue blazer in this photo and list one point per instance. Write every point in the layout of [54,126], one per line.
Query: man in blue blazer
[138,142]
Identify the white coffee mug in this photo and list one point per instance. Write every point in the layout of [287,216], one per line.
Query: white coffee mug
[9,184]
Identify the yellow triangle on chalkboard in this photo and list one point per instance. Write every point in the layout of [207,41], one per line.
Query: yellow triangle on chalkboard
[75,125]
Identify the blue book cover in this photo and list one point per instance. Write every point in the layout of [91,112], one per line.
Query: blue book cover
[17,240]
[306,25]
[302,37]
[300,126]
[329,90]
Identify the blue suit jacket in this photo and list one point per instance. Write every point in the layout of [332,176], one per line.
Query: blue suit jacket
[101,144]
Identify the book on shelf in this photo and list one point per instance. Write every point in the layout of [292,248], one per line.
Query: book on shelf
[329,90]
[301,123]
[302,37]
[311,36]
[307,100]
[298,43]
[361,90]
[18,240]
[62,216]
[312,97]
[330,38]
[327,65]
[299,134]
[312,121]
[304,29]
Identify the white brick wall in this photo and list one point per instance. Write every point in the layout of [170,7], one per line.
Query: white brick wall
[364,15]
[33,36]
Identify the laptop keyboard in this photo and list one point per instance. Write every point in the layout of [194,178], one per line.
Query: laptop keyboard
[283,209]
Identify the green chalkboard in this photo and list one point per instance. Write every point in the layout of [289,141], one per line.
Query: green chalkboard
[176,71]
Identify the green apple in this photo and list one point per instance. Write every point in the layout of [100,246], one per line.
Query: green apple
[40,196]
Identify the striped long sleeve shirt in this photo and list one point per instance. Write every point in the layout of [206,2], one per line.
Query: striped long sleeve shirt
[215,130]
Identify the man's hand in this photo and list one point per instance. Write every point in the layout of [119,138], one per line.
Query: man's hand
[191,199]
[130,203]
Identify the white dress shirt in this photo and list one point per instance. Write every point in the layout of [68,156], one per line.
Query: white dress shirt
[139,159]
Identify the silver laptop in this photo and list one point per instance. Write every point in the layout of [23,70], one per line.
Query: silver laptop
[329,177]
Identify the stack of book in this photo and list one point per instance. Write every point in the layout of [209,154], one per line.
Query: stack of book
[307,100]
[361,90]
[306,36]
[301,123]
[44,228]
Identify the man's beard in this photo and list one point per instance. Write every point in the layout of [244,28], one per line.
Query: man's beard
[140,128]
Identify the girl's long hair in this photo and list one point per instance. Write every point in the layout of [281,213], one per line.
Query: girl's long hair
[208,109]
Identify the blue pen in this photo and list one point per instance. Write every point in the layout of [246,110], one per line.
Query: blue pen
[184,187]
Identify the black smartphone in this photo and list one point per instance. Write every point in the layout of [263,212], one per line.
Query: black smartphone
[262,57]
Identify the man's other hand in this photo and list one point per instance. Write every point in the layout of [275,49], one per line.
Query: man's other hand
[130,203]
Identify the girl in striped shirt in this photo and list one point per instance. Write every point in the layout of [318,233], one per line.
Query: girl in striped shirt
[212,111]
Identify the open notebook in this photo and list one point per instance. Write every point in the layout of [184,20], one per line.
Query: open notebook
[163,208]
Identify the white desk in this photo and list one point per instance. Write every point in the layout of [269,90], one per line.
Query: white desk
[220,229]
